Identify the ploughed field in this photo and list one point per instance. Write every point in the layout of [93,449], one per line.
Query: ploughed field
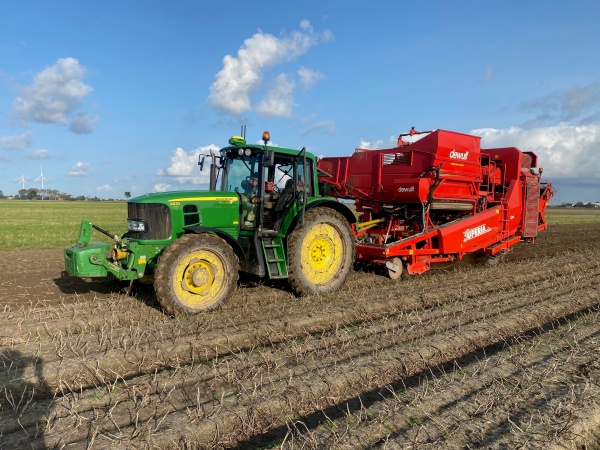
[466,356]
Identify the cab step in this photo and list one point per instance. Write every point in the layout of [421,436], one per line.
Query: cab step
[274,252]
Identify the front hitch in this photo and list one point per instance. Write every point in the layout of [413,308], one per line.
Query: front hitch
[91,259]
[126,259]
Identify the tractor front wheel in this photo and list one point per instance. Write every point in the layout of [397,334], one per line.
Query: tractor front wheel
[195,273]
[320,252]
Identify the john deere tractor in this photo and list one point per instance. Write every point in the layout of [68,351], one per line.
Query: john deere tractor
[263,214]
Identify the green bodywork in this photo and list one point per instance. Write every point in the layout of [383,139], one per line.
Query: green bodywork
[256,230]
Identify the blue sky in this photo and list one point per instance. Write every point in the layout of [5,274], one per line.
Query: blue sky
[116,96]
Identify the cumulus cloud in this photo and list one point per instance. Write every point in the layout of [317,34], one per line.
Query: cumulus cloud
[279,100]
[39,154]
[83,123]
[379,144]
[392,142]
[308,78]
[565,151]
[161,187]
[79,170]
[105,188]
[54,97]
[16,142]
[184,166]
[242,75]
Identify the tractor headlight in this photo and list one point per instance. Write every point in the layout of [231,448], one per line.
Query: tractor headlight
[137,225]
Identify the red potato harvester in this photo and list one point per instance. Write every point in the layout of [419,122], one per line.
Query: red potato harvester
[438,199]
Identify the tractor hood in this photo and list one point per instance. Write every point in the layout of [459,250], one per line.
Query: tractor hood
[167,214]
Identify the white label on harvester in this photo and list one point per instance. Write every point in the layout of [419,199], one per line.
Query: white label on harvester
[457,155]
[472,233]
[406,189]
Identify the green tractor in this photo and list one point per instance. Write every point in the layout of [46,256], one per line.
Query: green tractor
[264,214]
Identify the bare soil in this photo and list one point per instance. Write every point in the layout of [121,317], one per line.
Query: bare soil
[462,357]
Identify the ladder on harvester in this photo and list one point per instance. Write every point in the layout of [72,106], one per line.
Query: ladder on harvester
[504,225]
[275,257]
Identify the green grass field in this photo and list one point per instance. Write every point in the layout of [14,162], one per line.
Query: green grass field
[29,225]
[572,215]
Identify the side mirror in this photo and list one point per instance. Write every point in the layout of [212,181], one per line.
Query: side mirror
[201,161]
[269,158]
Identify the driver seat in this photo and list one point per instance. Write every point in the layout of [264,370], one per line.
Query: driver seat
[286,196]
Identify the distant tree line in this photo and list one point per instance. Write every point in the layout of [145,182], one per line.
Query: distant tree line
[55,194]
[580,205]
[52,194]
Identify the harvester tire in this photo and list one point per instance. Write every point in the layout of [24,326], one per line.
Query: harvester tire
[320,252]
[196,273]
[489,260]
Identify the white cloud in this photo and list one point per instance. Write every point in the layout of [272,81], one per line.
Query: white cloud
[105,188]
[279,100]
[306,26]
[16,142]
[161,187]
[308,78]
[54,96]
[184,166]
[79,170]
[242,75]
[83,123]
[564,151]
[39,154]
[392,142]
[379,144]
[375,145]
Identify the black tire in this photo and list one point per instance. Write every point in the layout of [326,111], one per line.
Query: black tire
[196,273]
[489,260]
[320,252]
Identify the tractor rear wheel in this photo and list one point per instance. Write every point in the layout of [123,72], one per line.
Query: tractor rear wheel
[195,273]
[320,252]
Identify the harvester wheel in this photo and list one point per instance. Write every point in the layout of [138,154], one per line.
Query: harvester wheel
[490,260]
[395,268]
[320,252]
[195,274]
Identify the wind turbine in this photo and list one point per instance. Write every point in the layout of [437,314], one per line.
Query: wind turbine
[42,179]
[22,181]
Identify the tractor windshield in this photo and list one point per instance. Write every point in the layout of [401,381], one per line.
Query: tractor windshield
[240,174]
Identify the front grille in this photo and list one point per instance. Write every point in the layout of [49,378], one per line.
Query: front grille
[158,217]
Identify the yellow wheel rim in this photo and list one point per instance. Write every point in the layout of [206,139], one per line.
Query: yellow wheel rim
[321,256]
[199,279]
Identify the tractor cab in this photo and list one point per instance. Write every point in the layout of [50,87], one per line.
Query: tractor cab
[269,182]
[275,186]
